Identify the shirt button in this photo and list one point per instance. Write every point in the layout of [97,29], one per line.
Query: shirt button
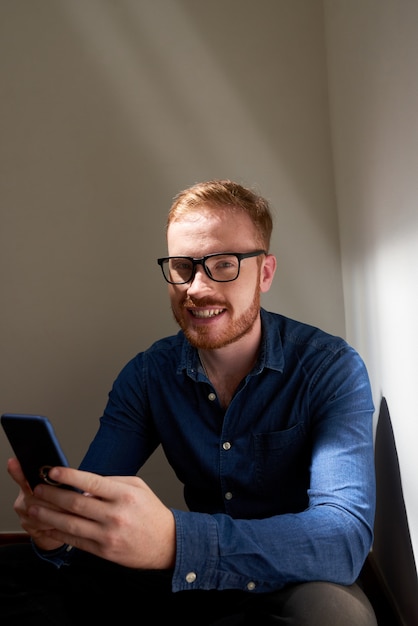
[212,396]
[191,577]
[251,585]
[226,445]
[228,495]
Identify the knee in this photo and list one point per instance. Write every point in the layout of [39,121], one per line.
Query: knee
[324,604]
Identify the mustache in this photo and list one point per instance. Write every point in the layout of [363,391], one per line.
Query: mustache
[191,303]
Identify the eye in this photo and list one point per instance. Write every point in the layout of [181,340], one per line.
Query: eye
[181,265]
[225,264]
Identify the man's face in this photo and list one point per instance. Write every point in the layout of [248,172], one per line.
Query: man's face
[213,314]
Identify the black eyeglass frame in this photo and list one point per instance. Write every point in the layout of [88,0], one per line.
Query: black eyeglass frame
[202,261]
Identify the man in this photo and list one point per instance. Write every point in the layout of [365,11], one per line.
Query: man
[266,421]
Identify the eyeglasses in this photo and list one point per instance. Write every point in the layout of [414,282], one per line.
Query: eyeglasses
[222,268]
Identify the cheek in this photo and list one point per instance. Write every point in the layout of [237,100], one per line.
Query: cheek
[244,296]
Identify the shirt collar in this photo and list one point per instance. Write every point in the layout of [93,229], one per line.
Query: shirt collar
[271,353]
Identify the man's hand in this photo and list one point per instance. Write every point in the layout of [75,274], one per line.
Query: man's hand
[118,518]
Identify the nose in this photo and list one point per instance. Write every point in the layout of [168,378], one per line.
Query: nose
[200,281]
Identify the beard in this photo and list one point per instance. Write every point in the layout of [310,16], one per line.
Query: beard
[203,338]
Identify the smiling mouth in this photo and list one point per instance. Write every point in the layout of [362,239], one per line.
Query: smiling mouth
[206,313]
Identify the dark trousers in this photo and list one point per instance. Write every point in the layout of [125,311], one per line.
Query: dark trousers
[92,590]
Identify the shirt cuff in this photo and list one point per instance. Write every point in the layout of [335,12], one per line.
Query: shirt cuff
[58,557]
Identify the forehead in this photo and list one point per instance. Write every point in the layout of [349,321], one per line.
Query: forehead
[208,230]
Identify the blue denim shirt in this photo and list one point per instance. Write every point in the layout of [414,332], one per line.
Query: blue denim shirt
[280,485]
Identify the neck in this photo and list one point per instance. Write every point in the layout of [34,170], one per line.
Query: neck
[225,371]
[232,361]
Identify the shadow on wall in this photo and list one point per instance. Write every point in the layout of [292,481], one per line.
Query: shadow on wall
[392,554]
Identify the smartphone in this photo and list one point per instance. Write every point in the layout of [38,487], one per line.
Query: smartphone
[35,445]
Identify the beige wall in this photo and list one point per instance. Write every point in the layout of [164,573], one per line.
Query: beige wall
[372,56]
[107,110]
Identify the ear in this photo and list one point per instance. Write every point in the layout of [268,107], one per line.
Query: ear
[268,270]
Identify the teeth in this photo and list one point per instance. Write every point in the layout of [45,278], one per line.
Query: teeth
[210,313]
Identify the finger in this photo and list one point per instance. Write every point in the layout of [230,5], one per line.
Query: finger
[72,529]
[105,495]
[66,501]
[75,541]
[102,487]
[15,471]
